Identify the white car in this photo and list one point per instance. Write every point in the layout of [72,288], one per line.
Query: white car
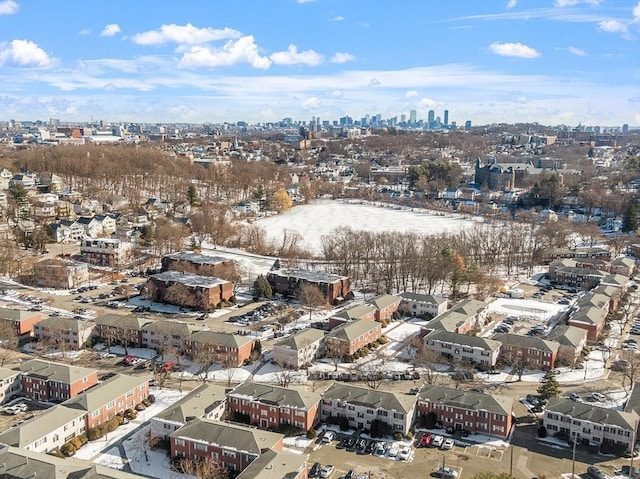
[328,437]
[326,471]
[380,450]
[598,397]
[404,454]
[446,472]
[448,444]
[16,408]
[437,441]
[393,451]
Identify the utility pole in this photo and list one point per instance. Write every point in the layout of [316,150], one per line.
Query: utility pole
[511,463]
[633,449]
[573,461]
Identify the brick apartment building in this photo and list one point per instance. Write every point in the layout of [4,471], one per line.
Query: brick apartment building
[116,329]
[58,274]
[228,349]
[233,446]
[48,381]
[106,251]
[299,349]
[189,290]
[467,410]
[68,333]
[22,321]
[200,264]
[385,305]
[537,353]
[288,282]
[345,340]
[113,396]
[270,407]
[416,304]
[353,313]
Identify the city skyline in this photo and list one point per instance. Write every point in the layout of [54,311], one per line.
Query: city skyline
[553,62]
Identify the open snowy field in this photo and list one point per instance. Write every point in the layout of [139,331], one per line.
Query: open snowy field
[526,308]
[322,217]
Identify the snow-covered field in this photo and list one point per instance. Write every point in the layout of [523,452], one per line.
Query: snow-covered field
[322,217]
[526,308]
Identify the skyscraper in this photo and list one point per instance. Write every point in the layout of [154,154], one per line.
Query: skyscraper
[413,117]
[431,117]
[446,118]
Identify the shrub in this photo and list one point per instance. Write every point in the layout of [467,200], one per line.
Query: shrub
[75,442]
[94,433]
[409,436]
[56,453]
[151,398]
[365,351]
[397,436]
[542,431]
[312,434]
[146,402]
[111,425]
[130,414]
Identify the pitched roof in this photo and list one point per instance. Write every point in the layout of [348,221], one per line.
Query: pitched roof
[591,413]
[470,400]
[199,402]
[302,339]
[219,339]
[374,398]
[96,397]
[355,312]
[6,373]
[171,327]
[310,276]
[425,298]
[594,316]
[567,335]
[37,427]
[633,403]
[124,322]
[229,436]
[188,279]
[353,329]
[65,324]
[17,314]
[464,340]
[274,465]
[455,317]
[530,342]
[197,258]
[385,300]
[615,279]
[276,395]
[63,373]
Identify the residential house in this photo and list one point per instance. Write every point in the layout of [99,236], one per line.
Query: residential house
[477,350]
[106,252]
[595,252]
[473,411]
[571,341]
[617,281]
[565,272]
[233,446]
[166,335]
[65,231]
[276,465]
[22,321]
[64,333]
[272,407]
[385,305]
[60,274]
[288,282]
[107,223]
[46,431]
[464,316]
[207,401]
[361,406]
[230,350]
[416,304]
[353,313]
[592,425]
[10,384]
[200,264]
[534,352]
[350,337]
[116,329]
[590,313]
[623,265]
[111,397]
[92,227]
[189,290]
[55,382]
[26,181]
[298,350]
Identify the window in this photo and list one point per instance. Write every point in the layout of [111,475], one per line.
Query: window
[199,447]
[179,442]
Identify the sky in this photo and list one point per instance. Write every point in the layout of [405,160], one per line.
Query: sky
[555,62]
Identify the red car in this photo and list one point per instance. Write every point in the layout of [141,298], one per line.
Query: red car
[167,366]
[129,359]
[425,440]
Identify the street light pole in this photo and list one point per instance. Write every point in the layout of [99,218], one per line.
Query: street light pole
[573,461]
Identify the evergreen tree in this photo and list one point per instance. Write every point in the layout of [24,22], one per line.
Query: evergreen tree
[262,288]
[630,218]
[549,387]
[192,195]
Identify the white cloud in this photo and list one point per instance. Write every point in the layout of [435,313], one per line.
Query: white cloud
[570,3]
[23,53]
[110,30]
[577,51]
[511,4]
[342,57]
[427,103]
[636,13]
[184,34]
[411,94]
[293,57]
[9,7]
[337,18]
[311,103]
[85,31]
[243,50]
[513,50]
[374,82]
[612,26]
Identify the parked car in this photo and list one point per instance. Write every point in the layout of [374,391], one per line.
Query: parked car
[404,454]
[393,450]
[16,408]
[448,444]
[596,473]
[446,472]
[328,437]
[437,441]
[425,440]
[326,471]
[575,397]
[315,469]
[381,449]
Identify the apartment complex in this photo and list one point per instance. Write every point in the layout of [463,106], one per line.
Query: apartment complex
[189,290]
[463,347]
[47,381]
[232,350]
[288,282]
[200,264]
[345,340]
[106,252]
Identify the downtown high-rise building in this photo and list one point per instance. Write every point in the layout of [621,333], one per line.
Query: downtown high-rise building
[413,117]
[446,118]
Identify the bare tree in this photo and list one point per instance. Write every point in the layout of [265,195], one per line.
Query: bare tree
[632,371]
[333,350]
[372,373]
[202,469]
[8,342]
[311,297]
[427,360]
[285,377]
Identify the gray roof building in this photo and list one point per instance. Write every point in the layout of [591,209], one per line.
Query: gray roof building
[466,399]
[63,373]
[302,339]
[219,339]
[530,342]
[464,340]
[591,413]
[373,398]
[96,397]
[274,465]
[276,395]
[567,335]
[37,427]
[353,330]
[197,403]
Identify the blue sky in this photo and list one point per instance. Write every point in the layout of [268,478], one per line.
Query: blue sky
[550,61]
